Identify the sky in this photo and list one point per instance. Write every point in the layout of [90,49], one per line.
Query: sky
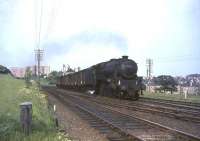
[86,32]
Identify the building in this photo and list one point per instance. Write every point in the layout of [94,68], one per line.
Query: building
[20,72]
[44,70]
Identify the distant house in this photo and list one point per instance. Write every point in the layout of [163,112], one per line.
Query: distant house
[19,72]
[44,70]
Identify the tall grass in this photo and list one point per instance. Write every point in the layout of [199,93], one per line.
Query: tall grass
[12,93]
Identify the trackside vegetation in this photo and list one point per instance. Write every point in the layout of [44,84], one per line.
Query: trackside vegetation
[12,93]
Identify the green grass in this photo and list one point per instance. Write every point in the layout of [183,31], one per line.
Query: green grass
[175,97]
[12,93]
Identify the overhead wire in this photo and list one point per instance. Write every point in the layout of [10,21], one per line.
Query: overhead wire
[52,19]
[36,22]
[40,25]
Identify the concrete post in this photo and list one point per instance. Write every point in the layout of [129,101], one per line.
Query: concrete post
[26,117]
[55,117]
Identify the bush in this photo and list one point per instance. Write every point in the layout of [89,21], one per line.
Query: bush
[4,70]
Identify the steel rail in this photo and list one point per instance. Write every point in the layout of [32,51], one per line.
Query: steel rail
[183,134]
[171,102]
[110,125]
[167,111]
[193,137]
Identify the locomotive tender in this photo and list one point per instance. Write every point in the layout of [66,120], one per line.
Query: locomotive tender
[117,77]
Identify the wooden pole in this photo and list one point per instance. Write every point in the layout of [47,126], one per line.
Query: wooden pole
[26,117]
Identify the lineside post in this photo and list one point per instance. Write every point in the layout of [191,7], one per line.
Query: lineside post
[26,117]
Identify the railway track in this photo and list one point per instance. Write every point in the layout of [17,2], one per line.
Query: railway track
[160,110]
[186,113]
[133,128]
[191,114]
[94,121]
[171,102]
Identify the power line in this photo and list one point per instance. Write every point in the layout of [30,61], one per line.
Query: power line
[52,17]
[36,19]
[50,22]
[38,22]
[40,26]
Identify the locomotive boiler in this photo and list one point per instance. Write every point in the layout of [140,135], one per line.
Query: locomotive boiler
[117,77]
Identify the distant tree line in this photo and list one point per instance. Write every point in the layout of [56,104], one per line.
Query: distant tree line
[163,83]
[52,77]
[4,70]
[166,83]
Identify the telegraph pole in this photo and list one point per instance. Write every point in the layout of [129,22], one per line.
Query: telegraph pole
[38,57]
[39,52]
[149,64]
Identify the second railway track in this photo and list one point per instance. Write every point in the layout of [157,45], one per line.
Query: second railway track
[171,102]
[133,127]
[191,114]
[184,112]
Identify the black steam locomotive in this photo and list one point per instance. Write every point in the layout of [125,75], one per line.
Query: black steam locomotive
[117,77]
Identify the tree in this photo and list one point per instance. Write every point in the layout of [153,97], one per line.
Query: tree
[27,77]
[52,77]
[4,70]
[166,82]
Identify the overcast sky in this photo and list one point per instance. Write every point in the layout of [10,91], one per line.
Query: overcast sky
[85,32]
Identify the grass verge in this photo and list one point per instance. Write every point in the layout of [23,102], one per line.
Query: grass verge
[12,93]
[175,97]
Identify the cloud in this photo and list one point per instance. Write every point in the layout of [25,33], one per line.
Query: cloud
[140,29]
[86,55]
[105,39]
[85,49]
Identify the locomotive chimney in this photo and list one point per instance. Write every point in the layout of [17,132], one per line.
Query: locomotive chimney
[124,57]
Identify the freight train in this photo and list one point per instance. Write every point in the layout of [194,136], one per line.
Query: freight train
[116,77]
